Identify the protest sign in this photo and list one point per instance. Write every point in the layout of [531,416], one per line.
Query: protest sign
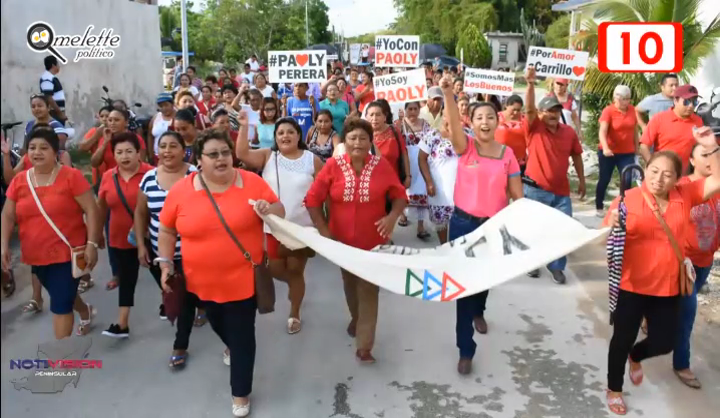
[297,66]
[397,51]
[558,63]
[355,54]
[509,245]
[488,82]
[407,86]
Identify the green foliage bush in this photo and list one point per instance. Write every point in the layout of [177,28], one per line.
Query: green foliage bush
[593,104]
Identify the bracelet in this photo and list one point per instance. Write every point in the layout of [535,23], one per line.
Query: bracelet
[166,261]
[94,244]
[707,154]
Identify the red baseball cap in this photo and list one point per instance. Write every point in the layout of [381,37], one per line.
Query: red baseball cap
[562,80]
[686,91]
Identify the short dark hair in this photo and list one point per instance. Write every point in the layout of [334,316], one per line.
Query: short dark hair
[185,115]
[229,87]
[513,99]
[191,67]
[353,123]
[50,61]
[666,77]
[288,121]
[457,79]
[266,101]
[218,114]
[255,92]
[325,112]
[478,105]
[247,66]
[124,113]
[672,156]
[206,87]
[385,107]
[40,96]
[232,70]
[174,135]
[107,108]
[48,135]
[408,104]
[120,137]
[208,135]
[185,75]
[211,78]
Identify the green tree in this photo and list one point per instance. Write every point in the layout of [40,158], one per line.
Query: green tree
[698,42]
[558,33]
[476,50]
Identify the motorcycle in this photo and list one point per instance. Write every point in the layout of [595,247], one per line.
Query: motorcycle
[709,111]
[136,124]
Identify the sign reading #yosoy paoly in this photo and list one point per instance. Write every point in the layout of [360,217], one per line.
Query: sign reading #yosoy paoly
[558,63]
[297,66]
[397,51]
[407,86]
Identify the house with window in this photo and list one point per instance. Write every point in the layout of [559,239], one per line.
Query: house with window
[506,47]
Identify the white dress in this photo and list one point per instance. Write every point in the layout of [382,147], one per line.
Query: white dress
[296,177]
[417,193]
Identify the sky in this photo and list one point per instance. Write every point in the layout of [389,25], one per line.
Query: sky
[354,17]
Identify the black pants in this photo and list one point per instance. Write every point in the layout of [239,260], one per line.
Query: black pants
[128,267]
[662,319]
[186,319]
[234,323]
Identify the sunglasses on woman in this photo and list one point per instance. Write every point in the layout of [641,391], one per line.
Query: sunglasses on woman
[217,154]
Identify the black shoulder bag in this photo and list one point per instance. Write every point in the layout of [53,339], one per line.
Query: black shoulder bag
[131,238]
[264,286]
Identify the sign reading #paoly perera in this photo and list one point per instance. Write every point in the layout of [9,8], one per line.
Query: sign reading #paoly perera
[558,63]
[297,66]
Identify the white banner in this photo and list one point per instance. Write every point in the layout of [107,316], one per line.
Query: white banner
[558,63]
[510,244]
[397,51]
[297,66]
[488,81]
[355,54]
[407,86]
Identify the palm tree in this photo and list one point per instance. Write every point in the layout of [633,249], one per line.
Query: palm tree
[697,43]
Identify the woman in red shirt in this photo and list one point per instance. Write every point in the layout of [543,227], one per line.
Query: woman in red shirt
[649,285]
[510,129]
[388,141]
[618,141]
[701,243]
[185,100]
[67,199]
[216,269]
[357,185]
[365,92]
[117,198]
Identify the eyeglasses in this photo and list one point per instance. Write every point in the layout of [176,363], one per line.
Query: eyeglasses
[217,154]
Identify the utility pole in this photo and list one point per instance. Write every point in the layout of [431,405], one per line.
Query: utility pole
[307,30]
[183,16]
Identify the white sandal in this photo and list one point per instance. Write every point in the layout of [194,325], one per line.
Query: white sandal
[84,326]
[226,358]
[291,323]
[241,410]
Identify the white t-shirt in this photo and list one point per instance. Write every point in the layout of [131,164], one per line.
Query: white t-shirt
[253,121]
[192,90]
[254,65]
[296,177]
[249,77]
[267,91]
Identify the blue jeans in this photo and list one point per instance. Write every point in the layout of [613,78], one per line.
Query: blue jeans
[561,203]
[469,307]
[606,166]
[688,309]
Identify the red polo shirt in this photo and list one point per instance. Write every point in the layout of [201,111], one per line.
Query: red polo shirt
[667,131]
[548,155]
[120,220]
[621,129]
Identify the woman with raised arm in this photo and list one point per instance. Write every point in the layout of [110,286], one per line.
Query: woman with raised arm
[488,176]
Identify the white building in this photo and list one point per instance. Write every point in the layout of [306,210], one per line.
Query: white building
[505,48]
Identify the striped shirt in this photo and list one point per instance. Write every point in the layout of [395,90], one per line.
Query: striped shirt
[155,201]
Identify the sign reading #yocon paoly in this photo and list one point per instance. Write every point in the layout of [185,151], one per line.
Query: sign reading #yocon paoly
[297,66]
[397,51]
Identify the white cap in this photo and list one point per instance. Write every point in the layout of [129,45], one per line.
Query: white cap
[622,91]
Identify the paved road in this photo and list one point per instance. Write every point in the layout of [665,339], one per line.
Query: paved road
[545,356]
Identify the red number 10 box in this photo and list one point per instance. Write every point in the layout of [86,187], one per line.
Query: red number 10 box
[640,47]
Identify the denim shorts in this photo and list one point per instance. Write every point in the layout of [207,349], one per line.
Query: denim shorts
[60,284]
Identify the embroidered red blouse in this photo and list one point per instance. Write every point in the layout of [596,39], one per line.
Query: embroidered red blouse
[355,203]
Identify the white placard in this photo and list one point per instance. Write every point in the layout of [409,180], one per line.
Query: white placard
[507,246]
[558,63]
[488,82]
[407,86]
[397,51]
[297,66]
[355,54]
[332,57]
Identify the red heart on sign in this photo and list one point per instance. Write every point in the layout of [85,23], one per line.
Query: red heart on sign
[578,71]
[301,59]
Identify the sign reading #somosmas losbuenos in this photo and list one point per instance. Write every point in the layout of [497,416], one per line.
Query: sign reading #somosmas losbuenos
[297,66]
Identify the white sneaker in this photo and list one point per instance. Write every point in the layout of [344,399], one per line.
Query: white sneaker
[241,410]
[226,358]
[600,213]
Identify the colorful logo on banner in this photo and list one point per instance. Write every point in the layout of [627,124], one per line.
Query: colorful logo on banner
[430,287]
[488,82]
[397,51]
[297,66]
[407,86]
[558,63]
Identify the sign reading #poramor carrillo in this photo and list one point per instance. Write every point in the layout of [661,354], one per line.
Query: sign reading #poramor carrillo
[297,66]
[558,63]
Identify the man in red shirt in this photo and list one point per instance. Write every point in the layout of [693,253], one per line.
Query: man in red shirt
[550,145]
[673,129]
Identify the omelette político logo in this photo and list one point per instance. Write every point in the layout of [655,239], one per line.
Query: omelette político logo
[42,37]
